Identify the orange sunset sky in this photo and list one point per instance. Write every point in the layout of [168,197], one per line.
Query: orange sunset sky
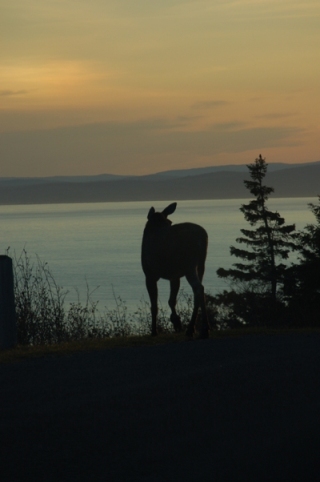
[135,87]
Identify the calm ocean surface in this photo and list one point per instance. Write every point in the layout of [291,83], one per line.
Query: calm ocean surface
[101,242]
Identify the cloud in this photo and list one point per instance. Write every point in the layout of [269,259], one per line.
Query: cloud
[230,126]
[9,93]
[209,104]
[274,7]
[51,82]
[274,116]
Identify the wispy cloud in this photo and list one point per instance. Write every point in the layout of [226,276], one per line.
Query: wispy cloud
[275,116]
[209,104]
[184,120]
[289,6]
[230,126]
[9,93]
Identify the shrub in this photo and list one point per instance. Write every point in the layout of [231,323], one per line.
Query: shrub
[41,307]
[44,316]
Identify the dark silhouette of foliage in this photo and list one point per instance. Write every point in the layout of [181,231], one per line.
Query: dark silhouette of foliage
[256,296]
[303,281]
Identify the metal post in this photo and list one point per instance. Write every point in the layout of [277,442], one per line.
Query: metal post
[8,326]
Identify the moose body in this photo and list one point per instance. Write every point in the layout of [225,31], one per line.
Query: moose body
[171,252]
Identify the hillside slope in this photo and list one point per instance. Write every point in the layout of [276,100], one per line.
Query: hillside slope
[293,181]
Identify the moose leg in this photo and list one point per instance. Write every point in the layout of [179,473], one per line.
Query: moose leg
[200,271]
[174,318]
[153,294]
[199,301]
[204,333]
[204,314]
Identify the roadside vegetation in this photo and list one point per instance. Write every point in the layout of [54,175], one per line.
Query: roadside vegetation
[266,289]
[46,317]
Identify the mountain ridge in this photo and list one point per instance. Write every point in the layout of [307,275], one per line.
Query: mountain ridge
[215,182]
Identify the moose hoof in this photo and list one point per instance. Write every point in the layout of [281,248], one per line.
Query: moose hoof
[175,320]
[189,332]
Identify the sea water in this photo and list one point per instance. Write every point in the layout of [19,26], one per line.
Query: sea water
[99,244]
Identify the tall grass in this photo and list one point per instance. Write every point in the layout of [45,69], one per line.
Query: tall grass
[44,315]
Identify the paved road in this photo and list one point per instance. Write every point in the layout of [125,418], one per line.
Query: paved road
[233,409]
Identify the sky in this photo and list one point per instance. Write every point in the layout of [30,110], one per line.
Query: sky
[135,87]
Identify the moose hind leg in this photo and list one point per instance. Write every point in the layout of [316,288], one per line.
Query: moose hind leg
[199,301]
[153,294]
[174,318]
[204,333]
[204,322]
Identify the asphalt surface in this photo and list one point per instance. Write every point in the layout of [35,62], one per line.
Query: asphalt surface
[232,409]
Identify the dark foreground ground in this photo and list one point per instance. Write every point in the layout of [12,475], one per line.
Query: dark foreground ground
[232,409]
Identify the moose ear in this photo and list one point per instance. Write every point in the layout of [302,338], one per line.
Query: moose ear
[169,209]
[151,213]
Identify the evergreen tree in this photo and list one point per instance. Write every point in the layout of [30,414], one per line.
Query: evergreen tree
[267,245]
[303,284]
[309,239]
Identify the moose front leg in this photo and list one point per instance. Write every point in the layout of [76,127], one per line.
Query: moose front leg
[174,318]
[153,294]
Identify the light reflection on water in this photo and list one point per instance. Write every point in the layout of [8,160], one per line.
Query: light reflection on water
[101,242]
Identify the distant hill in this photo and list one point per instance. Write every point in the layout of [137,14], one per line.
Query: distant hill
[217,182]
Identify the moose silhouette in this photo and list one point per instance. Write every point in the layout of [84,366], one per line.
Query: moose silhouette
[171,252]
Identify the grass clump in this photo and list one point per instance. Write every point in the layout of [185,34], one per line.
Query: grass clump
[44,316]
